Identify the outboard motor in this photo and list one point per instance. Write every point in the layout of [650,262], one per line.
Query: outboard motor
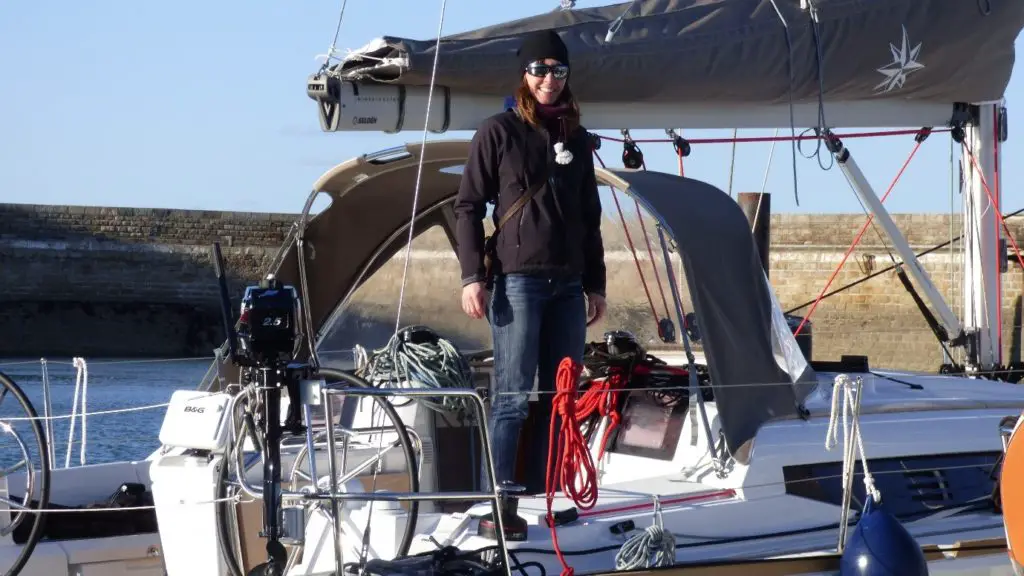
[268,327]
[196,434]
[269,336]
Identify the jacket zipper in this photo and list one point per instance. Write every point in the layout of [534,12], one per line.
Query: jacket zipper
[551,182]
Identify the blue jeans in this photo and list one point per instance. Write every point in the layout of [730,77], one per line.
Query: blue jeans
[536,322]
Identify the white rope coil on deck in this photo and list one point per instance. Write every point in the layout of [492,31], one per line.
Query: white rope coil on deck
[403,363]
[651,548]
[844,386]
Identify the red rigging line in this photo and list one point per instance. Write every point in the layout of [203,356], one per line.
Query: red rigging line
[755,139]
[650,254]
[650,249]
[999,216]
[920,133]
[998,210]
[856,239]
[629,240]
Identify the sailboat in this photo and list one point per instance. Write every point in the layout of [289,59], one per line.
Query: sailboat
[281,464]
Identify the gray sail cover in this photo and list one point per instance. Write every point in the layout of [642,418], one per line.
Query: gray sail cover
[734,52]
[757,370]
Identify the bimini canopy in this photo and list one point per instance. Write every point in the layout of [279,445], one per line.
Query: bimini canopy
[734,52]
[752,356]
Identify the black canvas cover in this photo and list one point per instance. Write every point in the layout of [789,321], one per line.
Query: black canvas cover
[734,52]
[757,370]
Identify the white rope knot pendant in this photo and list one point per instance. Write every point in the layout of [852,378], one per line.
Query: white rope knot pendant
[562,156]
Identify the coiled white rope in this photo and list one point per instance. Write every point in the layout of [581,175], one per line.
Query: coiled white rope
[362,359]
[653,547]
[81,383]
[406,364]
[844,386]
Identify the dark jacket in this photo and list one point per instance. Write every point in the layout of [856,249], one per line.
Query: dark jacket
[558,232]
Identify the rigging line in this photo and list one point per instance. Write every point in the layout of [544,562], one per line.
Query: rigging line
[993,205]
[792,119]
[650,251]
[419,168]
[996,198]
[764,184]
[629,240]
[337,29]
[952,275]
[334,42]
[803,136]
[973,213]
[768,168]
[364,551]
[863,279]
[856,240]
[662,389]
[820,67]
[732,162]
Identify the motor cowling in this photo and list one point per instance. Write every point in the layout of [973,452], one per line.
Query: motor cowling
[269,326]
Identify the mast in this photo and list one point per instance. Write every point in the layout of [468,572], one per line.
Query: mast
[984,243]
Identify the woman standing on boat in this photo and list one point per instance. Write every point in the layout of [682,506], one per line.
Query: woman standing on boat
[540,278]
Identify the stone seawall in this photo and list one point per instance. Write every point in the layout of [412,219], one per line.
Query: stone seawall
[138,282]
[123,282]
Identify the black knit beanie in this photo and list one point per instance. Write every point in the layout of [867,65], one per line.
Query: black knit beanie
[540,45]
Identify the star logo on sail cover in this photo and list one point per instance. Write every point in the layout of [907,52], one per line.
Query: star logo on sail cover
[904,61]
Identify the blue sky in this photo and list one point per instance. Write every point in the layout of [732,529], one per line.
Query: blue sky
[202,105]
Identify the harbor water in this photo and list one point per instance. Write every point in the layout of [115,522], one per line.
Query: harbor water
[125,401]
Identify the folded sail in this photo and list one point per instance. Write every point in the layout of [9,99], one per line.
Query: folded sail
[734,52]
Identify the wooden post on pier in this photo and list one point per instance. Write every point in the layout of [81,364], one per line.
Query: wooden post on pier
[758,208]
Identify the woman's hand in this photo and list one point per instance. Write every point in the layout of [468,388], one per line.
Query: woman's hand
[474,300]
[596,307]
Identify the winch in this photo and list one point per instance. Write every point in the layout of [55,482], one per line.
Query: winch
[621,342]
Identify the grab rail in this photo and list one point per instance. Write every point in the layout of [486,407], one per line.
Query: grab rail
[495,496]
[51,454]
[316,494]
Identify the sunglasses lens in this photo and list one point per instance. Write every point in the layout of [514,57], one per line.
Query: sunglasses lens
[560,71]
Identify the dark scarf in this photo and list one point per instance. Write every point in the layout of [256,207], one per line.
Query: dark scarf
[552,116]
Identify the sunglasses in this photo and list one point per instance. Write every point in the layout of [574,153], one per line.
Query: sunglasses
[540,70]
